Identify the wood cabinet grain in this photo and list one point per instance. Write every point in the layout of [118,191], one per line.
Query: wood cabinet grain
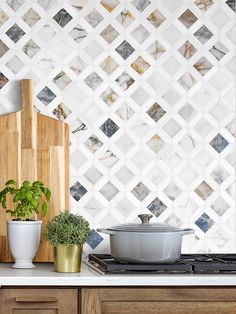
[164,300]
[39,301]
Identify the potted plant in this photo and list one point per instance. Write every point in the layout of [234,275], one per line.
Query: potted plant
[67,233]
[23,232]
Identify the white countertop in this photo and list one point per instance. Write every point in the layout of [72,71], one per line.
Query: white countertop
[44,275]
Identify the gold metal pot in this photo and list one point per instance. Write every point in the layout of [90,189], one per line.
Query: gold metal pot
[67,259]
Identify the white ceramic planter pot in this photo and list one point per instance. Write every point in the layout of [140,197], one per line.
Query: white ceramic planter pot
[23,239]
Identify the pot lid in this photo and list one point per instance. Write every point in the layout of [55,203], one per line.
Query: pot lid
[144,226]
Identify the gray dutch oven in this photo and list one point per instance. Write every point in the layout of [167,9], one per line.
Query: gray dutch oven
[145,242]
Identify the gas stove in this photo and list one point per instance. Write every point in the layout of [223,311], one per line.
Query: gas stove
[187,264]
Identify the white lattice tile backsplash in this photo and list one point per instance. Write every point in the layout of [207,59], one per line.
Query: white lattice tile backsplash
[148,90]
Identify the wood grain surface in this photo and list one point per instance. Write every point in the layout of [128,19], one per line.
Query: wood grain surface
[34,147]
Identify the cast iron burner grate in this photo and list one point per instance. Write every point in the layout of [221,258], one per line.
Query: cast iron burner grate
[188,263]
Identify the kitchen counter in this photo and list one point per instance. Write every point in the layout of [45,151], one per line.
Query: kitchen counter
[44,275]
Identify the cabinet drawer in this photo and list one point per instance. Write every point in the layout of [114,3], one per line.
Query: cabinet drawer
[39,301]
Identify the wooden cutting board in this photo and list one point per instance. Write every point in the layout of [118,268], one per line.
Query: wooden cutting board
[34,147]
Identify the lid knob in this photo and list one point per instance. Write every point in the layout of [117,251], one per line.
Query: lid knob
[145,218]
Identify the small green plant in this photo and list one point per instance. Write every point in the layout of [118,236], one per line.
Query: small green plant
[66,229]
[26,199]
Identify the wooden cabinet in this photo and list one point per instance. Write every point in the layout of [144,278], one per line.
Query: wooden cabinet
[158,300]
[39,301]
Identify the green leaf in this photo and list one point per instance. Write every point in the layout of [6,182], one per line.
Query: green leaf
[44,208]
[28,196]
[9,182]
[4,205]
[26,184]
[48,194]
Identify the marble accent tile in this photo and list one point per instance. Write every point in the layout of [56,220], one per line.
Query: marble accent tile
[187,50]
[140,191]
[140,65]
[188,18]
[125,112]
[78,33]
[171,128]
[15,4]
[109,159]
[231,4]
[15,64]
[46,33]
[203,66]
[109,191]
[125,143]
[171,96]
[62,80]
[77,191]
[3,48]
[156,112]
[109,65]
[3,17]
[187,81]
[204,222]
[109,5]
[46,4]
[62,18]
[204,190]
[219,174]
[77,65]
[109,96]
[204,5]
[77,126]
[157,207]
[109,34]
[61,112]
[94,239]
[156,50]
[140,34]
[231,127]
[94,18]
[141,4]
[93,49]
[93,175]
[219,143]
[31,17]
[125,49]
[140,96]
[3,80]
[125,81]
[219,50]
[156,143]
[93,80]
[125,207]
[203,34]
[156,18]
[220,206]
[124,175]
[109,128]
[187,112]
[172,191]
[31,48]
[125,18]
[93,143]
[46,96]
[15,33]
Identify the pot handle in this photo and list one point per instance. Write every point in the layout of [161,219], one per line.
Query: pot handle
[187,231]
[106,231]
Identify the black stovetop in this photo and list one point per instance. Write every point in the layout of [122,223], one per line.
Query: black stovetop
[188,263]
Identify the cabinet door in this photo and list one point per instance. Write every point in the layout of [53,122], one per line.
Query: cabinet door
[39,301]
[159,300]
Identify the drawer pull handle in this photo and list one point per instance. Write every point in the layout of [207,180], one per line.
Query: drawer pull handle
[36,299]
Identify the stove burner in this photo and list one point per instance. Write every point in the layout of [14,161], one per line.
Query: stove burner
[188,263]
